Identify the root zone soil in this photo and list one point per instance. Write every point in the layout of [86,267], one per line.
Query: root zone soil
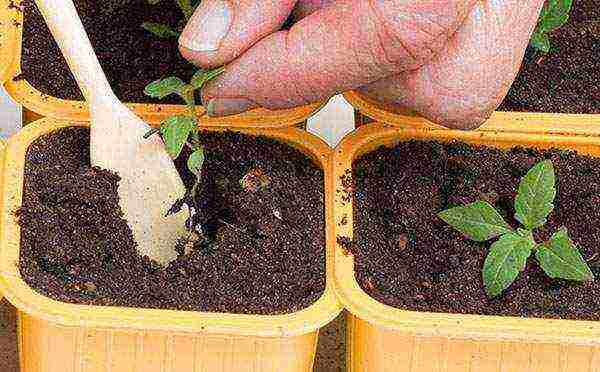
[263,251]
[406,257]
[566,79]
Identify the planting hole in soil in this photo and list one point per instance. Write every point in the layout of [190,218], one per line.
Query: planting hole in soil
[407,257]
[565,78]
[260,247]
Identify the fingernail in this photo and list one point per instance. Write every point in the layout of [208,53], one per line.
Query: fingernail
[207,27]
[228,106]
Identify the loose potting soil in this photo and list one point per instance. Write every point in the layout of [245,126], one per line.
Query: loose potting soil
[264,245]
[566,79]
[130,56]
[407,257]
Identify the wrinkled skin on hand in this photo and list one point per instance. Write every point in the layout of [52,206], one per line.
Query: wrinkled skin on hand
[452,61]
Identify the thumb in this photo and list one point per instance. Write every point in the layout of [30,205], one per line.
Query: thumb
[339,47]
[221,30]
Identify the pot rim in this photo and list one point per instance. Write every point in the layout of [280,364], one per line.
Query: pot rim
[524,122]
[29,301]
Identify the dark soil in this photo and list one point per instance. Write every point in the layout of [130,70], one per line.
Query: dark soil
[130,56]
[331,350]
[408,258]
[76,247]
[9,357]
[566,79]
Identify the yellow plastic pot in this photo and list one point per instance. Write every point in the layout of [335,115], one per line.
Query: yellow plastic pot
[63,337]
[383,338]
[368,110]
[11,21]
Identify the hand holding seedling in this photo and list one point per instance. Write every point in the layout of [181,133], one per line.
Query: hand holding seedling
[479,221]
[452,61]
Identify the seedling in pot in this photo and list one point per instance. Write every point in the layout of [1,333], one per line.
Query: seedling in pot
[479,221]
[554,15]
[182,130]
[164,31]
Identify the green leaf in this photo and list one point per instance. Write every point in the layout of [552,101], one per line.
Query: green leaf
[202,77]
[540,41]
[195,161]
[479,221]
[506,259]
[175,131]
[186,8]
[535,196]
[559,258]
[161,30]
[164,87]
[153,2]
[555,14]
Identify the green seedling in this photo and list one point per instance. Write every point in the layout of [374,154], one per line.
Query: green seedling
[554,15]
[165,31]
[479,221]
[182,130]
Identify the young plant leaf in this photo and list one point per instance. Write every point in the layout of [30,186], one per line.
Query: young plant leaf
[506,259]
[164,87]
[175,131]
[479,221]
[535,196]
[186,8]
[161,30]
[153,2]
[559,258]
[554,15]
[202,77]
[541,42]
[195,161]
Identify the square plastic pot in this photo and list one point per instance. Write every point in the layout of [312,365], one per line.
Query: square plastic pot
[63,337]
[383,338]
[22,92]
[369,111]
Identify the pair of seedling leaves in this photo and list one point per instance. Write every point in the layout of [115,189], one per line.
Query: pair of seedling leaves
[479,221]
[554,15]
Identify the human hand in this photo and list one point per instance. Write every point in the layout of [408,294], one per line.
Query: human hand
[452,61]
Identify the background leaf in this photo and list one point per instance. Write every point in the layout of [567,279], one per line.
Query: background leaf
[555,14]
[161,30]
[479,221]
[535,196]
[164,87]
[506,259]
[195,161]
[559,258]
[175,131]
[202,77]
